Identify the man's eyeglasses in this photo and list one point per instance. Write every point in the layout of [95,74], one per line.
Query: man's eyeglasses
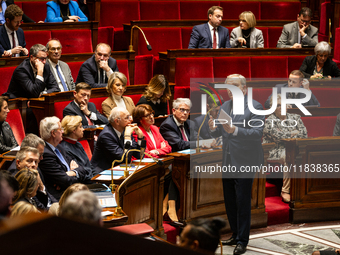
[41,58]
[184,110]
[55,49]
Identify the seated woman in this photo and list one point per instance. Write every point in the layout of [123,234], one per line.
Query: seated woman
[157,95]
[246,35]
[68,192]
[116,87]
[274,131]
[28,186]
[64,11]
[7,139]
[157,147]
[73,131]
[22,208]
[320,66]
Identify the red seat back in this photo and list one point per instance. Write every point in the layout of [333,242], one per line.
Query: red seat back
[273,36]
[325,14]
[123,67]
[74,66]
[143,69]
[159,10]
[196,9]
[269,67]
[106,35]
[327,97]
[319,126]
[265,36]
[261,95]
[224,66]
[294,63]
[74,41]
[186,34]
[98,103]
[59,107]
[135,98]
[34,37]
[232,9]
[280,10]
[87,148]
[6,76]
[15,121]
[337,44]
[36,10]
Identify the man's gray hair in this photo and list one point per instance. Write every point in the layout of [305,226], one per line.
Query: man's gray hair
[47,125]
[236,77]
[115,113]
[22,154]
[48,43]
[322,47]
[176,103]
[32,140]
[82,206]
[36,48]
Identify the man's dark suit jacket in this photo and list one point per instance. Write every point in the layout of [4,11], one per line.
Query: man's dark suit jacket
[171,133]
[109,148]
[205,130]
[330,68]
[201,37]
[24,84]
[312,101]
[73,109]
[54,172]
[88,72]
[4,40]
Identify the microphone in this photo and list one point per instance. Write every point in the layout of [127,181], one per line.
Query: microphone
[142,151]
[127,146]
[199,131]
[146,41]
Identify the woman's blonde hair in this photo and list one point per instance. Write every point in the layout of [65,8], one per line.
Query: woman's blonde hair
[70,123]
[22,208]
[28,181]
[112,79]
[249,17]
[157,84]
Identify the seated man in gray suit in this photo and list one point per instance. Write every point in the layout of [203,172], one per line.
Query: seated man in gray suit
[299,33]
[60,70]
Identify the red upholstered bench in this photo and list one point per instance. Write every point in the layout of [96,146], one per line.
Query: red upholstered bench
[36,10]
[124,68]
[186,34]
[327,97]
[196,9]
[34,37]
[224,66]
[87,148]
[159,10]
[325,15]
[98,102]
[143,69]
[59,107]
[232,9]
[15,121]
[270,67]
[74,41]
[135,98]
[74,66]
[319,126]
[294,63]
[280,10]
[336,56]
[106,35]
[6,76]
[273,36]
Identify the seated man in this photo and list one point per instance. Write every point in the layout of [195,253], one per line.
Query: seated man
[96,70]
[60,70]
[111,141]
[58,170]
[211,34]
[82,206]
[33,76]
[299,33]
[82,107]
[295,80]
[7,139]
[202,235]
[12,37]
[336,131]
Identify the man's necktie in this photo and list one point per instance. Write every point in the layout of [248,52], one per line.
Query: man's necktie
[183,133]
[61,78]
[14,44]
[57,152]
[102,76]
[214,39]
[89,121]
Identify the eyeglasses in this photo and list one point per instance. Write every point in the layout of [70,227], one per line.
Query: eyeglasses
[149,115]
[305,21]
[55,49]
[41,58]
[18,22]
[184,110]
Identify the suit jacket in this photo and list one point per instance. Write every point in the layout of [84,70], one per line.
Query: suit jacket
[73,109]
[245,148]
[53,12]
[108,104]
[4,40]
[171,133]
[312,101]
[7,140]
[201,37]
[88,72]
[330,68]
[289,36]
[109,148]
[162,146]
[336,131]
[24,84]
[54,172]
[256,38]
[65,69]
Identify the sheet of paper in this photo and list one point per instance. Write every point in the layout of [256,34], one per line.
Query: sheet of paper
[187,151]
[16,148]
[107,202]
[225,116]
[106,213]
[108,177]
[147,160]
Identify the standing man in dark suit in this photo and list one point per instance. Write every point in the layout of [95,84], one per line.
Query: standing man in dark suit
[82,107]
[96,70]
[33,76]
[299,33]
[58,170]
[241,148]
[60,70]
[211,34]
[295,80]
[12,36]
[111,141]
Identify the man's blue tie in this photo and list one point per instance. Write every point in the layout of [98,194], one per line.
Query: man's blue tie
[61,158]
[61,78]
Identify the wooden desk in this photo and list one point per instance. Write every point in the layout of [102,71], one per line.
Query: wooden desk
[313,197]
[141,195]
[203,197]
[112,221]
